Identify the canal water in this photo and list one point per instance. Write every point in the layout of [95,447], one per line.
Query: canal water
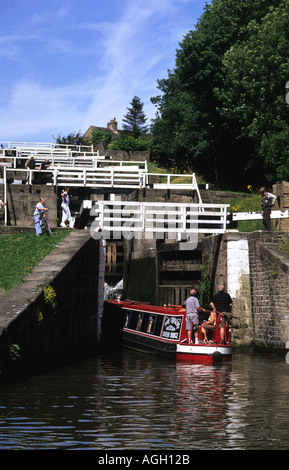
[127,400]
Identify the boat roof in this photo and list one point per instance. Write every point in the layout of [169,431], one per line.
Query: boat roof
[144,306]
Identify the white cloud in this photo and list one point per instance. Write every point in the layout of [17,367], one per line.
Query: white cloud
[68,75]
[132,52]
[36,110]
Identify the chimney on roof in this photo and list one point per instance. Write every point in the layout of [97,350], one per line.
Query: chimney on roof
[112,124]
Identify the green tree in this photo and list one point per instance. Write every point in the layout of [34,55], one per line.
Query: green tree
[253,96]
[98,136]
[134,120]
[130,144]
[189,121]
[69,139]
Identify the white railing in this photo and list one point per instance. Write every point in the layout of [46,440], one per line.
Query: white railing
[178,181]
[56,156]
[115,174]
[123,217]
[11,144]
[121,177]
[37,145]
[175,181]
[64,157]
[237,216]
[19,156]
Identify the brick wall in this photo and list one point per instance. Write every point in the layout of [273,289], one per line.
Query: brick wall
[281,190]
[269,274]
[256,274]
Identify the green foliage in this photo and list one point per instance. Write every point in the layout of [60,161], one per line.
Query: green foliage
[50,297]
[20,253]
[98,136]
[254,93]
[131,144]
[284,246]
[71,138]
[14,352]
[251,203]
[222,110]
[204,287]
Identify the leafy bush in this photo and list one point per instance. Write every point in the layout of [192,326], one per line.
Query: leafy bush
[130,144]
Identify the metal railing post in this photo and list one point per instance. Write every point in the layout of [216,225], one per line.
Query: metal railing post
[141,179]
[143,212]
[225,218]
[55,177]
[5,195]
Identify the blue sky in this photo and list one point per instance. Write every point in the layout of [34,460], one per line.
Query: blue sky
[68,64]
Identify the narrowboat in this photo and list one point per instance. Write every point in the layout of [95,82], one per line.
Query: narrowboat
[162,331]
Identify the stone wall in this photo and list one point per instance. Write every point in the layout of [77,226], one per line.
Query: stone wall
[269,274]
[281,190]
[256,274]
[53,314]
[21,202]
[128,156]
[227,260]
[122,155]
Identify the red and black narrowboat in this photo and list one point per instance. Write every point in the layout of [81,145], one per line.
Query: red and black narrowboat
[161,331]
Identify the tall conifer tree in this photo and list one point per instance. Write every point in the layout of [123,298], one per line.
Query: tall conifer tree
[134,120]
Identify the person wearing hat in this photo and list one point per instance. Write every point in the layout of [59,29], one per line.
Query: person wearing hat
[267,201]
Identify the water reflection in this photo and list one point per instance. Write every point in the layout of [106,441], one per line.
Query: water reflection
[128,400]
[201,399]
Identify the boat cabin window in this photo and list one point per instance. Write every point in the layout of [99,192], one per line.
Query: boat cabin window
[127,319]
[139,321]
[145,322]
[151,324]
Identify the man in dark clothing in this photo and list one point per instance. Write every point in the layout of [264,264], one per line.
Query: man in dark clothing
[44,166]
[222,302]
[267,201]
[30,165]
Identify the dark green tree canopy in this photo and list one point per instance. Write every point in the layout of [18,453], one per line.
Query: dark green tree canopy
[222,110]
[69,139]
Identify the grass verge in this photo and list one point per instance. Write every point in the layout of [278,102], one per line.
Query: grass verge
[251,203]
[20,253]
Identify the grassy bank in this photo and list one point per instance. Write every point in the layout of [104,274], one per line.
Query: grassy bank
[251,203]
[20,253]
